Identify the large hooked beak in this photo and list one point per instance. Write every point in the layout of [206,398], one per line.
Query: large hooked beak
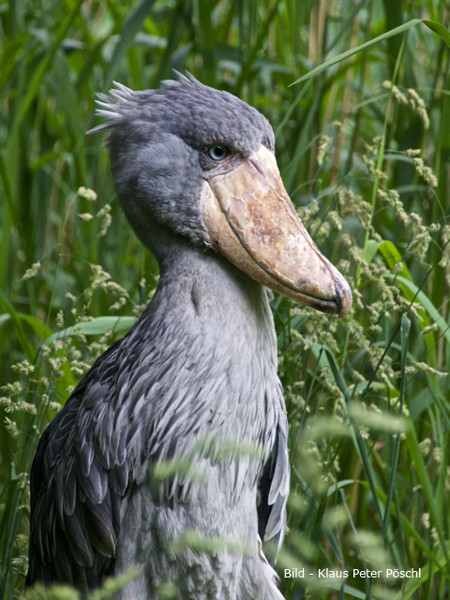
[251,220]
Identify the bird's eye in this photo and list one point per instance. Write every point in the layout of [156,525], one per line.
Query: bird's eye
[218,152]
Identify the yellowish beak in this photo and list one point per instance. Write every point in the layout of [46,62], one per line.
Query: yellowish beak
[251,220]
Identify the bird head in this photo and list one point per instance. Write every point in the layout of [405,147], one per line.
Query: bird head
[198,163]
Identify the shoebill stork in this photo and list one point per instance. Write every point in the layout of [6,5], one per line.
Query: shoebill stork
[171,454]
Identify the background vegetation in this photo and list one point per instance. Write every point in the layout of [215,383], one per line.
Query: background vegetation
[363,148]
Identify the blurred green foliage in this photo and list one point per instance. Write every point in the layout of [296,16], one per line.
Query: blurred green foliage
[363,147]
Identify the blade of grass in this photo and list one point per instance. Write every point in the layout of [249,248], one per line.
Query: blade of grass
[96,326]
[128,31]
[427,487]
[404,334]
[340,57]
[420,296]
[439,29]
[359,441]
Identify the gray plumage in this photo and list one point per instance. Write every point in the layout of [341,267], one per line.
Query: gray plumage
[195,379]
[192,389]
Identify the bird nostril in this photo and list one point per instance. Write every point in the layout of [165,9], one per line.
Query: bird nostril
[257,166]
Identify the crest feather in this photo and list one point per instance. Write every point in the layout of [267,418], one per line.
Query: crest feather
[112,106]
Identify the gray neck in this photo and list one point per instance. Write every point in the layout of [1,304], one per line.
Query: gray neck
[223,300]
[210,354]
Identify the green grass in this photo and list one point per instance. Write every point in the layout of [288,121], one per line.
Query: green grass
[365,161]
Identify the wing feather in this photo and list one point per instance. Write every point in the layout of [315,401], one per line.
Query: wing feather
[75,511]
[273,488]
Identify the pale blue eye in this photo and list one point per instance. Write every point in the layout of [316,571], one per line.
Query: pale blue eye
[218,151]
